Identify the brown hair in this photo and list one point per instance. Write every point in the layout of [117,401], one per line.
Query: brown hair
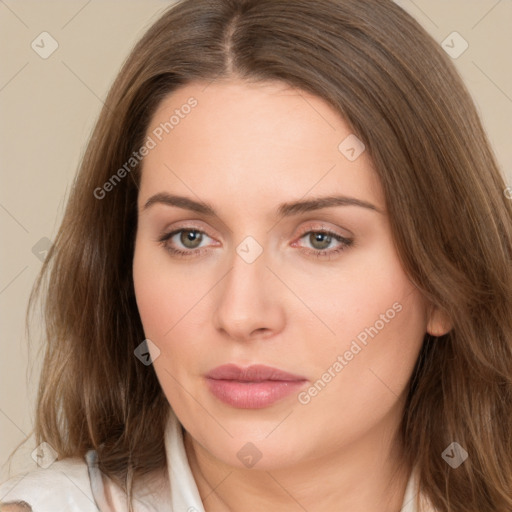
[451,223]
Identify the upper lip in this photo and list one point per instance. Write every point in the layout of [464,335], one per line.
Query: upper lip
[253,373]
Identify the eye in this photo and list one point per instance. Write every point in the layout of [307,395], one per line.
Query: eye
[184,241]
[191,239]
[321,242]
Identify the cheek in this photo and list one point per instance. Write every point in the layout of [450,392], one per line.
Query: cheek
[368,291]
[151,293]
[166,301]
[379,320]
[164,295]
[172,305]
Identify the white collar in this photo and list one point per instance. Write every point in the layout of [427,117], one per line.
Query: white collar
[184,493]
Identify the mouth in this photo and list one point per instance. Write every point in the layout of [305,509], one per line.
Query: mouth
[253,387]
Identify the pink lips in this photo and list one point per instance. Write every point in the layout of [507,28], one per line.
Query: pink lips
[253,387]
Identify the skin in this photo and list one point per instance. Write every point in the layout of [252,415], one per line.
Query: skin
[245,149]
[15,507]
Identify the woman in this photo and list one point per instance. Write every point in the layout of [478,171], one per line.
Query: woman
[283,277]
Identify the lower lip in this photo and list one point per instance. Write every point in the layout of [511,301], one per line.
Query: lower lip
[252,395]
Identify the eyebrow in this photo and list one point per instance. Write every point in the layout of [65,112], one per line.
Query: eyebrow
[284,209]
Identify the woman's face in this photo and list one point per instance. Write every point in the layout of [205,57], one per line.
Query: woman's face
[270,273]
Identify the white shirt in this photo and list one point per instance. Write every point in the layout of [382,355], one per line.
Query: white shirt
[77,485]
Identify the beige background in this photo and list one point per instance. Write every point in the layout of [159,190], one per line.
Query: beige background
[48,108]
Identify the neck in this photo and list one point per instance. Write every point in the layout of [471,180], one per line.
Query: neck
[370,475]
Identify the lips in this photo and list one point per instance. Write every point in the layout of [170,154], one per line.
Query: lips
[253,387]
[253,373]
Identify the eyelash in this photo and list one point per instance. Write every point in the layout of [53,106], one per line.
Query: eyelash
[326,253]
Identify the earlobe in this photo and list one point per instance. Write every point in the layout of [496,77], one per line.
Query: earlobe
[439,323]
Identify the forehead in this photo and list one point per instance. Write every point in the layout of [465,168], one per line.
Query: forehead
[272,111]
[253,138]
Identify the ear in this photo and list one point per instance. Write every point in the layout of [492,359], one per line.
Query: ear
[439,323]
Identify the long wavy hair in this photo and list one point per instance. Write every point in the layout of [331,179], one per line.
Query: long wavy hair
[451,223]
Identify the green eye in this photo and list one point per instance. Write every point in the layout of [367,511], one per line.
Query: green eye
[191,238]
[320,241]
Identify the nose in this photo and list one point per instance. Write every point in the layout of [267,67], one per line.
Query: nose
[250,304]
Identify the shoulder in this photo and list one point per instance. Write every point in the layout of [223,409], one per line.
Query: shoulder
[65,485]
[15,506]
